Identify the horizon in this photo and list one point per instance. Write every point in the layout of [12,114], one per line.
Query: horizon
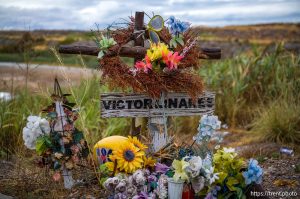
[82,16]
[195,26]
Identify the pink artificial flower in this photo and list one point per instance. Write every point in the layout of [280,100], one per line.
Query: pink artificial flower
[141,65]
[172,60]
[56,176]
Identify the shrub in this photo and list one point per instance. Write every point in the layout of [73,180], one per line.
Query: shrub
[279,122]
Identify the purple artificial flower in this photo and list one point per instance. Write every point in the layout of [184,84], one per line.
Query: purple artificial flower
[161,168]
[141,195]
[213,194]
[152,178]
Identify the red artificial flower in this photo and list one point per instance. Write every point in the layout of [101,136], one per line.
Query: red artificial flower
[172,60]
[141,65]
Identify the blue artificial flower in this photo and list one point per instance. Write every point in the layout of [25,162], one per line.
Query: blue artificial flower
[254,173]
[207,126]
[213,194]
[176,26]
[211,120]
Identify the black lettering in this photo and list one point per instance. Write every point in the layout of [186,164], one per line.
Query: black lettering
[173,103]
[201,103]
[118,104]
[210,102]
[182,103]
[138,104]
[114,103]
[148,103]
[191,104]
[157,104]
[106,104]
[129,102]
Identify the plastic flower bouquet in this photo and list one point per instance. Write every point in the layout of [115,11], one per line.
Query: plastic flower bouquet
[55,138]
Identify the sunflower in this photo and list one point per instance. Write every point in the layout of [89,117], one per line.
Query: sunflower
[129,158]
[137,143]
[148,162]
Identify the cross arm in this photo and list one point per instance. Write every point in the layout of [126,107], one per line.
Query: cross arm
[128,51]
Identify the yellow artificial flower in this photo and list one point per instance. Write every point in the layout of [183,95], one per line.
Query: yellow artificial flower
[148,162]
[156,51]
[179,167]
[137,143]
[129,158]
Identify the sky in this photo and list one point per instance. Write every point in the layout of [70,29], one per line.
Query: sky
[83,14]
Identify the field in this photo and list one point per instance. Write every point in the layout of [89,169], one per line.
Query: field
[257,83]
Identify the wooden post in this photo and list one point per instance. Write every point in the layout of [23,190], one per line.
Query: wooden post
[158,128]
[138,41]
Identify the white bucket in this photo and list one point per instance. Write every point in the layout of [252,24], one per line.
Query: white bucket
[175,189]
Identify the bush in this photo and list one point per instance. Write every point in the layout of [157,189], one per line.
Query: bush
[279,122]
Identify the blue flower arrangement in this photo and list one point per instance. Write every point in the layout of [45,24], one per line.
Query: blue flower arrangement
[254,173]
[177,26]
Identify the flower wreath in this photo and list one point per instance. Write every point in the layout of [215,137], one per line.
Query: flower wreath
[167,66]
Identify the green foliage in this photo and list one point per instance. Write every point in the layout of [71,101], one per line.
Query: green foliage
[178,39]
[42,144]
[279,121]
[247,81]
[104,44]
[13,116]
[229,167]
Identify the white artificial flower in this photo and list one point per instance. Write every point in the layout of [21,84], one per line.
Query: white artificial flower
[35,127]
[211,176]
[229,150]
[195,165]
[139,177]
[161,190]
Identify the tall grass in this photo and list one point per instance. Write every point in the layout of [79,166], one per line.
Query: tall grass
[245,83]
[279,122]
[13,116]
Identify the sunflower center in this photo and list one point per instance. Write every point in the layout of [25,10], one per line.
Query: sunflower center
[128,155]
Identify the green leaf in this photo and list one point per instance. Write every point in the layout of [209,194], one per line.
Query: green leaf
[77,136]
[42,144]
[102,180]
[100,54]
[180,40]
[231,182]
[173,43]
[52,115]
[170,173]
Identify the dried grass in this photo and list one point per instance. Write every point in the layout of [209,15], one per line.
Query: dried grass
[118,74]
